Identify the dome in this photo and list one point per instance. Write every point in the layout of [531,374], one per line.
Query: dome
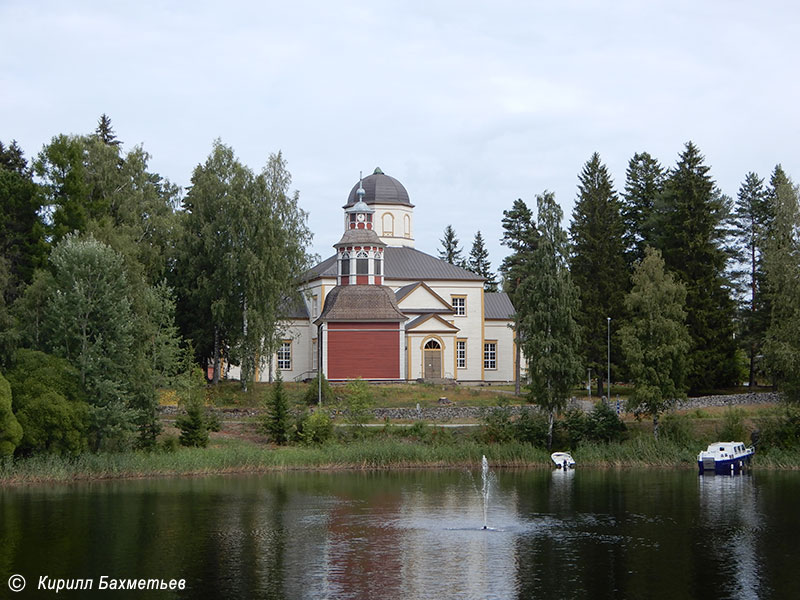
[380,188]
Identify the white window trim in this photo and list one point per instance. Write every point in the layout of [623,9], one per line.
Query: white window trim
[464,342]
[463,307]
[486,360]
[279,359]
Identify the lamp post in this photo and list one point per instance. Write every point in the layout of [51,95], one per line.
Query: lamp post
[609,361]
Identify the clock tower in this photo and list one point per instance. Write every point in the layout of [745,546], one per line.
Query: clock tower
[359,254]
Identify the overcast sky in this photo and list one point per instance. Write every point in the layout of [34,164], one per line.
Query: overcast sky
[469,104]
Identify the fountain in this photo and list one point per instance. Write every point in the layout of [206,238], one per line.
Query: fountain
[485,489]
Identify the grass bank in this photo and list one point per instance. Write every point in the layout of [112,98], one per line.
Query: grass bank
[370,454]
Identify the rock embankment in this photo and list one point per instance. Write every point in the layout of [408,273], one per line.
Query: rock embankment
[451,412]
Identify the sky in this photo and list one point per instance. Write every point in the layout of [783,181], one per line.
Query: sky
[470,105]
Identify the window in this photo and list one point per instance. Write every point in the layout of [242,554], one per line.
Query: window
[459,305]
[378,265]
[362,263]
[407,226]
[345,267]
[285,356]
[388,224]
[490,355]
[461,354]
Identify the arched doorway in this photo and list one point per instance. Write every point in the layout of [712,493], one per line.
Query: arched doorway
[432,360]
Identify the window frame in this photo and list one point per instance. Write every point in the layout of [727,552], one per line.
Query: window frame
[281,359]
[460,310]
[461,345]
[490,355]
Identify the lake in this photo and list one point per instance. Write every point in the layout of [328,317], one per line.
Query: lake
[414,534]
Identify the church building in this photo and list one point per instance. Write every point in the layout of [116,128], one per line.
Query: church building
[381,310]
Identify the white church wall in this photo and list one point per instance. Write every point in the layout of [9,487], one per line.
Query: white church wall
[394,224]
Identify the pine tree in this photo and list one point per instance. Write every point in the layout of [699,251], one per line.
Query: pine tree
[451,250]
[479,263]
[689,217]
[548,304]
[597,263]
[782,263]
[750,220]
[643,184]
[654,338]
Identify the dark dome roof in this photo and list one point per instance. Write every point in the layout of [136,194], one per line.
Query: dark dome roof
[381,189]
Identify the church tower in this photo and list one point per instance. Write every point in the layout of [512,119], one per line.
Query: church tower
[393,213]
[359,254]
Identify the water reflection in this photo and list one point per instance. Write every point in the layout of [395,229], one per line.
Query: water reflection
[574,534]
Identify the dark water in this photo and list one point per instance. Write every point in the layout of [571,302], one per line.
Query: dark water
[417,534]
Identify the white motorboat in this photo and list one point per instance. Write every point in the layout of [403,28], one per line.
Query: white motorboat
[723,458]
[563,460]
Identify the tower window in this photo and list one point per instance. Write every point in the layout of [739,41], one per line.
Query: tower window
[345,264]
[362,263]
[378,262]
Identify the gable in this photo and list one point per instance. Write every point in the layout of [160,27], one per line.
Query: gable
[419,297]
[430,324]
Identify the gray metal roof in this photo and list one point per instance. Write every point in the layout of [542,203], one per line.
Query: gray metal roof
[294,308]
[497,306]
[405,290]
[382,189]
[403,263]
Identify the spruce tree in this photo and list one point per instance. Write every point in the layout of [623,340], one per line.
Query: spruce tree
[479,263]
[597,264]
[520,235]
[451,249]
[278,422]
[782,262]
[105,133]
[750,220]
[689,218]
[547,305]
[643,183]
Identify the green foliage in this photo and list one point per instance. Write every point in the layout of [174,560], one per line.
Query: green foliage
[654,340]
[278,421]
[604,425]
[781,430]
[733,428]
[193,425]
[243,245]
[689,219]
[520,235]
[451,250]
[315,428]
[479,264]
[576,426]
[10,429]
[531,427]
[677,429]
[782,262]
[547,305]
[644,183]
[358,402]
[497,425]
[50,404]
[597,263]
[751,221]
[311,396]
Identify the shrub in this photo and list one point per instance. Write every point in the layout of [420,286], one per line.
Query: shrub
[604,425]
[781,430]
[576,426]
[677,428]
[315,428]
[193,425]
[358,402]
[733,428]
[10,429]
[531,428]
[497,425]
[311,397]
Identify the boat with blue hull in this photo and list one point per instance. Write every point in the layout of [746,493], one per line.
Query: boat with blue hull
[724,458]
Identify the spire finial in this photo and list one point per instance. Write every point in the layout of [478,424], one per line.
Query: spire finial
[360,191]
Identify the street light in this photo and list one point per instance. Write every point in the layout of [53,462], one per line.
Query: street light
[609,361]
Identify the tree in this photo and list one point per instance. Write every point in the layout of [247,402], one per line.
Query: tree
[49,403]
[750,221]
[193,425]
[479,263]
[451,250]
[782,262]
[104,131]
[654,339]
[644,183]
[548,304]
[10,429]
[278,423]
[597,263]
[689,218]
[519,234]
[242,249]
[22,231]
[89,321]
[358,402]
